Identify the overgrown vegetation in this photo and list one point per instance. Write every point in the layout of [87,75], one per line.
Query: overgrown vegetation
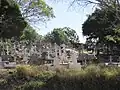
[34,78]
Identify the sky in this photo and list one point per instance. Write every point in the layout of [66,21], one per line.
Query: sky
[66,17]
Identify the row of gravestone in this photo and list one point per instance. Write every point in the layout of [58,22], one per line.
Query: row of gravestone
[19,51]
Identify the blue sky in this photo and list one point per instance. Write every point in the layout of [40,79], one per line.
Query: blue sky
[66,18]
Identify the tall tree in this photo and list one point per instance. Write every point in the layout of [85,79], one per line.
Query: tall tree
[71,34]
[30,34]
[57,36]
[12,23]
[62,35]
[35,10]
[103,26]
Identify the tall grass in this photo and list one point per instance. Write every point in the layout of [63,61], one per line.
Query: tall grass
[92,77]
[25,76]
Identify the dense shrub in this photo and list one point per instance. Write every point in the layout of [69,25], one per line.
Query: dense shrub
[33,85]
[27,70]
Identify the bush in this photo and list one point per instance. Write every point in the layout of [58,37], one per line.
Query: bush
[33,85]
[27,71]
[45,76]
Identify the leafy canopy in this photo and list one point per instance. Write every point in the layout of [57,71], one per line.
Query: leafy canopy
[30,34]
[62,35]
[35,10]
[102,25]
[12,23]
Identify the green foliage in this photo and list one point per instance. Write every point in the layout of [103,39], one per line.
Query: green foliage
[57,36]
[35,10]
[102,30]
[12,23]
[99,24]
[115,37]
[30,34]
[27,71]
[92,77]
[71,34]
[36,72]
[102,25]
[33,85]
[62,35]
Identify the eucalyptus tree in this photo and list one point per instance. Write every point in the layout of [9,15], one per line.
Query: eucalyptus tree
[35,11]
